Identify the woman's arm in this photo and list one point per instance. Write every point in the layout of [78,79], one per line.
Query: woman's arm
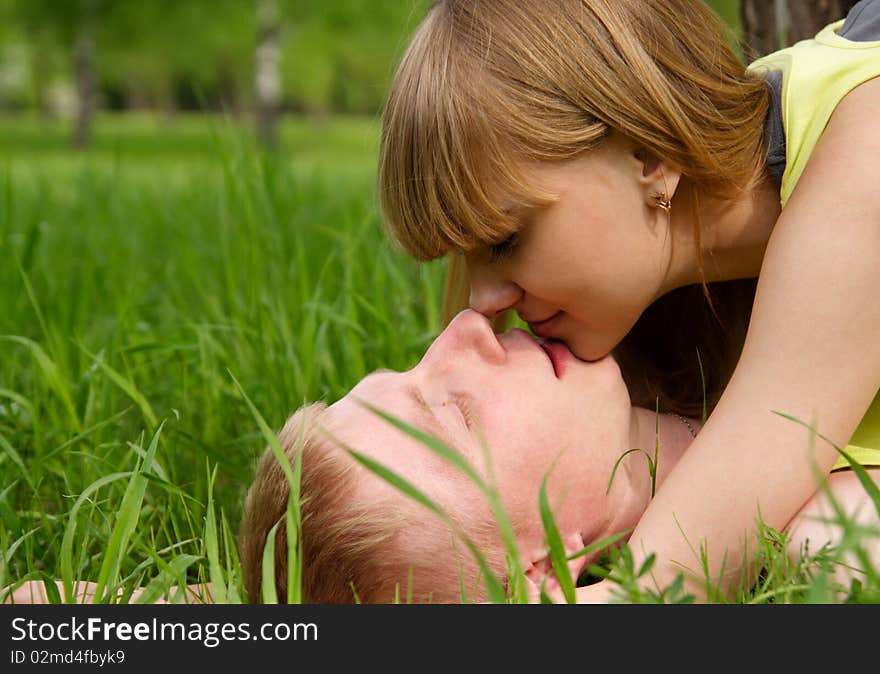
[816,525]
[812,351]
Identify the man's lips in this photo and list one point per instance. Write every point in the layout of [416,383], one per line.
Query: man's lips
[558,353]
[543,328]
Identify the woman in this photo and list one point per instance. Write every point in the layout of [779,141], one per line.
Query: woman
[598,164]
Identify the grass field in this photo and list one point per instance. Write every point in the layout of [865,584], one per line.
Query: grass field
[142,282]
[138,279]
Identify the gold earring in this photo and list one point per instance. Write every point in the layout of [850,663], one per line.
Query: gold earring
[662,201]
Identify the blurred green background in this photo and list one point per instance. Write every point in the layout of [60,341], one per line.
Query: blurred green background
[67,61]
[173,55]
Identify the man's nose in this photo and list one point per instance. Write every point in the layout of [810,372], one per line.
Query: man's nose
[467,332]
[491,294]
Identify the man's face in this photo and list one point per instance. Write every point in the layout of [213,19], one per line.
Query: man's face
[536,409]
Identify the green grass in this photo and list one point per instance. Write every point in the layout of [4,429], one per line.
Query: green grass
[136,285]
[166,299]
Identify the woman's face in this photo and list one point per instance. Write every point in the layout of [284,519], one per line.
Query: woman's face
[538,408]
[584,268]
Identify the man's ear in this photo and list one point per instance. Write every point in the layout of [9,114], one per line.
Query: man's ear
[658,177]
[540,570]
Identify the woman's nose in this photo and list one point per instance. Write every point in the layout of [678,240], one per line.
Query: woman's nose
[490,293]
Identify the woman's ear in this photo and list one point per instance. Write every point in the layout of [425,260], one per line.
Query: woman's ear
[659,179]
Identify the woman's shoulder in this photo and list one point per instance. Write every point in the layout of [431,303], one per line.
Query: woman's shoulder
[817,84]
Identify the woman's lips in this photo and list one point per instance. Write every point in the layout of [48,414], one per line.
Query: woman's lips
[545,327]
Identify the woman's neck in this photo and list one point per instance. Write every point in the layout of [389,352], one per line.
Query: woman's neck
[733,234]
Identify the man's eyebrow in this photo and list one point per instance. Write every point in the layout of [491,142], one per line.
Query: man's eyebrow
[432,423]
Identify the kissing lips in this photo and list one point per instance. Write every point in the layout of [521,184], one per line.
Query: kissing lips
[543,328]
[558,353]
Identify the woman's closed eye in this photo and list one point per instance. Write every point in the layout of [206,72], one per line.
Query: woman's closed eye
[503,249]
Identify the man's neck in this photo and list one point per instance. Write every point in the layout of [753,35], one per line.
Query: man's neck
[663,438]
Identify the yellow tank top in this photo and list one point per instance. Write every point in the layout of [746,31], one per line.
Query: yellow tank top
[816,75]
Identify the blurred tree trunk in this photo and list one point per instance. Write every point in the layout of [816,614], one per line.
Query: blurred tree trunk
[40,79]
[808,18]
[84,75]
[267,73]
[769,25]
[759,26]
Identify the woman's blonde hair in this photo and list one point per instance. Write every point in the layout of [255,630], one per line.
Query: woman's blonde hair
[486,86]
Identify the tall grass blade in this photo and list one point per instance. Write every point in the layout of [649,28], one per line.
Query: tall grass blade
[215,570]
[651,465]
[557,549]
[601,544]
[17,460]
[456,460]
[449,455]
[493,585]
[293,475]
[269,594]
[68,574]
[168,576]
[867,483]
[50,587]
[51,374]
[126,521]
[10,551]
[126,386]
